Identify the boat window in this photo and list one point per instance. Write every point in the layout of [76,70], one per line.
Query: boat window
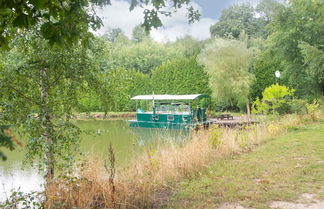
[185,118]
[170,118]
[155,117]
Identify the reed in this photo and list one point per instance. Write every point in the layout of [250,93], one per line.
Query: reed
[148,176]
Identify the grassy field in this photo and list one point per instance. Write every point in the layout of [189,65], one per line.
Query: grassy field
[282,169]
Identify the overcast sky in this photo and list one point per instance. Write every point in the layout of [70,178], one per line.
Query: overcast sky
[118,15]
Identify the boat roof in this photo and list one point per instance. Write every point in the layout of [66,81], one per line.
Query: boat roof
[168,97]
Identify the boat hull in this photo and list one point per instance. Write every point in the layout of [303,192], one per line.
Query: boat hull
[164,125]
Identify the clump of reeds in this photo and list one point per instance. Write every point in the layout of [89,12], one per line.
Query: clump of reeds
[99,185]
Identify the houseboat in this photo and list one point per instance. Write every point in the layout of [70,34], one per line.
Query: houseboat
[170,112]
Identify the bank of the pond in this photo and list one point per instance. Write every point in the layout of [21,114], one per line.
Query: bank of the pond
[145,181]
[126,115]
[102,115]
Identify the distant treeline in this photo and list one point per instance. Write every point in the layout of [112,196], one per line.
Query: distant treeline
[285,37]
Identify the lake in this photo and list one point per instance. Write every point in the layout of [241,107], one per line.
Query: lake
[100,133]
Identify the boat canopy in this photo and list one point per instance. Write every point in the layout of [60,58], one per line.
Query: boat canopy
[168,97]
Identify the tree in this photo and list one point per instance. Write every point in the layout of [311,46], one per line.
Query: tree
[180,76]
[187,46]
[59,21]
[238,18]
[296,39]
[227,63]
[39,85]
[139,34]
[143,56]
[67,21]
[267,9]
[313,58]
[264,67]
[112,34]
[117,86]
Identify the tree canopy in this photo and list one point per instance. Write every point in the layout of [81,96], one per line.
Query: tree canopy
[296,38]
[236,19]
[180,76]
[143,56]
[39,85]
[227,63]
[67,21]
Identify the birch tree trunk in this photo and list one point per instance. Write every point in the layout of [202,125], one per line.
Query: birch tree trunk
[46,116]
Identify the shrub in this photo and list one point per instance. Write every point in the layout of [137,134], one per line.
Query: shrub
[215,137]
[312,109]
[276,100]
[298,106]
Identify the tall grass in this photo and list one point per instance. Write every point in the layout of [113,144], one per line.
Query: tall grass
[156,170]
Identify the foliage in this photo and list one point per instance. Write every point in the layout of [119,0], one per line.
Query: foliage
[227,64]
[143,56]
[59,21]
[151,16]
[238,18]
[5,141]
[298,106]
[180,76]
[68,21]
[18,199]
[276,99]
[267,9]
[126,84]
[139,34]
[263,69]
[39,83]
[215,137]
[312,109]
[314,64]
[112,33]
[117,87]
[187,46]
[296,39]
[90,101]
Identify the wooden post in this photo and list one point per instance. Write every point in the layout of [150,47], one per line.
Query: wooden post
[248,110]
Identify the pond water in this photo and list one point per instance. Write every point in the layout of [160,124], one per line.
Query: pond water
[100,133]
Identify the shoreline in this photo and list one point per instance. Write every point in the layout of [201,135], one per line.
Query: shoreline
[103,116]
[128,115]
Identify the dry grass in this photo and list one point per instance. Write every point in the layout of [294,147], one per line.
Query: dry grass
[159,168]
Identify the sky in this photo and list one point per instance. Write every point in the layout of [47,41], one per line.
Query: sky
[177,26]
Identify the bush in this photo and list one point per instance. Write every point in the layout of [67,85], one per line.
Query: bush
[312,109]
[215,137]
[276,100]
[298,106]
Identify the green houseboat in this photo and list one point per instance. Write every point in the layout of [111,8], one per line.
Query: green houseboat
[171,112]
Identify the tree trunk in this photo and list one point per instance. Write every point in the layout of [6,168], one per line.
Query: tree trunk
[248,110]
[46,117]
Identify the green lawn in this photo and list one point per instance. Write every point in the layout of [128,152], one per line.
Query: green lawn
[282,169]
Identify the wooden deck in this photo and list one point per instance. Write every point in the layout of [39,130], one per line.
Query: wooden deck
[237,121]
